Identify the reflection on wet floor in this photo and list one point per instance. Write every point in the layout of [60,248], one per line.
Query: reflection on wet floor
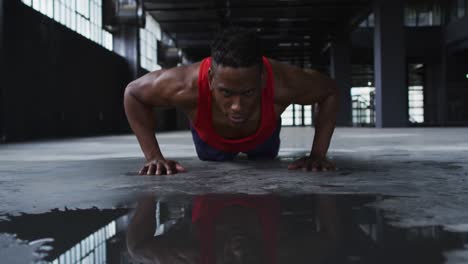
[234,228]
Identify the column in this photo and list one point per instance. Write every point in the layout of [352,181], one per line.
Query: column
[2,71]
[340,70]
[126,42]
[391,92]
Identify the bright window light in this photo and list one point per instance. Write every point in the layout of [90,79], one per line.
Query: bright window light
[363,105]
[416,103]
[81,16]
[297,115]
[149,45]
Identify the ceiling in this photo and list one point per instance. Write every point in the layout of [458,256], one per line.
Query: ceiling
[297,31]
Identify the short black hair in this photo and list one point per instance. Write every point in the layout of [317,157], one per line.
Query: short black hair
[237,47]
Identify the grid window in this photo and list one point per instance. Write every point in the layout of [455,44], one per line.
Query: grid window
[415,16]
[287,116]
[416,103]
[461,11]
[81,16]
[363,106]
[411,17]
[425,18]
[297,115]
[307,115]
[149,37]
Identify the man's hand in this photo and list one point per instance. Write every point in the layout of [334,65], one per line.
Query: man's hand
[310,163]
[161,167]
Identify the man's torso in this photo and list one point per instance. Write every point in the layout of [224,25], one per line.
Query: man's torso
[220,122]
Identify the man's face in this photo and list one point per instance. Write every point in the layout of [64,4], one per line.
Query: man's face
[236,91]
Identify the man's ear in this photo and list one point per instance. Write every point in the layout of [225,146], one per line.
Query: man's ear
[210,76]
[263,76]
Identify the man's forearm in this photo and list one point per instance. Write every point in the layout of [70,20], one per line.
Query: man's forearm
[325,123]
[143,124]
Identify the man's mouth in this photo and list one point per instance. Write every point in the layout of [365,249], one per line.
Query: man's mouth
[237,119]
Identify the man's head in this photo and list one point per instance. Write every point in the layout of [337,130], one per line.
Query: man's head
[235,75]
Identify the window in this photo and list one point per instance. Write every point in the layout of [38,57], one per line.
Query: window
[416,93]
[149,37]
[368,22]
[461,10]
[363,106]
[416,104]
[297,115]
[423,16]
[410,17]
[81,16]
[414,16]
[91,249]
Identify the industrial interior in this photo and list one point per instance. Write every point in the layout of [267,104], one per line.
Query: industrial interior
[69,187]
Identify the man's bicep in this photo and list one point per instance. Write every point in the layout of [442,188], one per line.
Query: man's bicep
[156,89]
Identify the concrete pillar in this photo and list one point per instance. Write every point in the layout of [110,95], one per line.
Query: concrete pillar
[126,42]
[340,70]
[434,93]
[391,92]
[442,91]
[2,77]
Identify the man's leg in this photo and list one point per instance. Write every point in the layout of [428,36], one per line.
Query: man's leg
[208,153]
[268,149]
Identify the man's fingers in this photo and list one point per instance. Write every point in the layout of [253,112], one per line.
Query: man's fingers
[310,164]
[143,170]
[159,169]
[296,164]
[315,166]
[329,166]
[168,166]
[292,166]
[151,169]
[179,167]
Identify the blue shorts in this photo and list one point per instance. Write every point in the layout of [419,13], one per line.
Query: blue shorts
[267,150]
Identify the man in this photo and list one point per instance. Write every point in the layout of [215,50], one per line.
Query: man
[234,101]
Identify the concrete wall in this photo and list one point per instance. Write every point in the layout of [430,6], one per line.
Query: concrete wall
[457,88]
[57,83]
[456,31]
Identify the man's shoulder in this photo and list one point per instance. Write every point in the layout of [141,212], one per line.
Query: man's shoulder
[280,71]
[184,75]
[184,82]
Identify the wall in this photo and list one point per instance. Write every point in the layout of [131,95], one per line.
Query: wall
[457,88]
[58,83]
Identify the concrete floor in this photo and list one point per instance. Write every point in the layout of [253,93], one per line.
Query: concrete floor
[425,168]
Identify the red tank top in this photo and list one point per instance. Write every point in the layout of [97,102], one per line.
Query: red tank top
[206,208]
[203,121]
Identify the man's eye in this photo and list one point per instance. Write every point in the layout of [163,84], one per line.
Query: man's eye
[226,93]
[249,92]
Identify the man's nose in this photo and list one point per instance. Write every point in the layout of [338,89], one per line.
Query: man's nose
[236,104]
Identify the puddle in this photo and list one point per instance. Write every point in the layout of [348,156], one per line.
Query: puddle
[235,228]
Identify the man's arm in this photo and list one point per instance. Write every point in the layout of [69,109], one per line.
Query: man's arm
[169,247]
[309,88]
[164,88]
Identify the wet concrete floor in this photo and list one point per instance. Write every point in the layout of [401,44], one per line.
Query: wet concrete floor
[414,181]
